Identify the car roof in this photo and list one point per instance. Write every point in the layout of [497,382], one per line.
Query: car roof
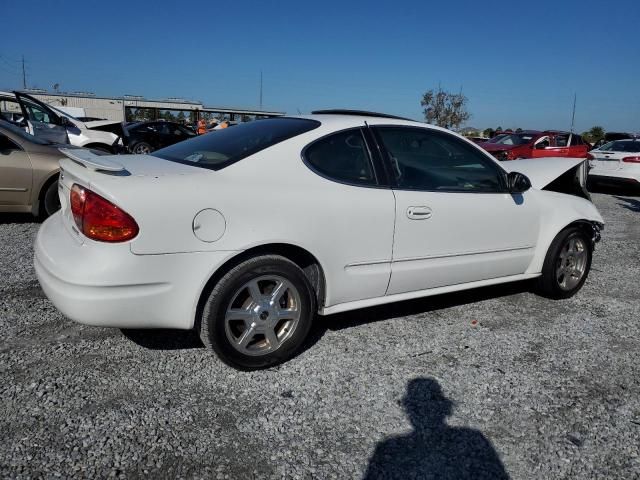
[346,120]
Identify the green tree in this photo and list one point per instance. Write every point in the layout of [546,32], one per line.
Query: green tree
[595,134]
[488,132]
[445,109]
[518,130]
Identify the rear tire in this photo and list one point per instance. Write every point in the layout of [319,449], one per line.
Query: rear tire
[567,264]
[259,313]
[50,201]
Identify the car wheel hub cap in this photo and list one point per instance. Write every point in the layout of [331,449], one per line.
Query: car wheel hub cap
[262,315]
[572,262]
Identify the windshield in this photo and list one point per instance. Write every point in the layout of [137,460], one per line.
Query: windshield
[496,138]
[621,146]
[60,112]
[19,131]
[515,139]
[221,148]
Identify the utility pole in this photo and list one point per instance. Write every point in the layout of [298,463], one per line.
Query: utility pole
[260,89]
[24,75]
[573,114]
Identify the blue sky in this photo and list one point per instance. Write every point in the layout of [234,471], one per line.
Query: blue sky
[518,63]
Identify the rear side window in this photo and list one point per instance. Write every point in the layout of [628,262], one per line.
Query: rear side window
[342,157]
[561,140]
[221,148]
[576,140]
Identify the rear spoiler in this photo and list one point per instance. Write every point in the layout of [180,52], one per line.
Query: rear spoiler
[90,160]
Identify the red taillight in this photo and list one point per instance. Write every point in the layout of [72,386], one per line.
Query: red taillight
[631,159]
[590,157]
[99,219]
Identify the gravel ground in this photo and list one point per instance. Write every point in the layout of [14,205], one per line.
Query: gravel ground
[497,381]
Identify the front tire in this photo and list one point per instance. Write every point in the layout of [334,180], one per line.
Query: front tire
[566,265]
[259,313]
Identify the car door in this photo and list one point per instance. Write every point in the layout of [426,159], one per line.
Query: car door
[16,175]
[559,145]
[577,147]
[42,121]
[352,203]
[541,146]
[455,222]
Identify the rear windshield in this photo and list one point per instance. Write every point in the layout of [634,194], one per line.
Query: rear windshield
[221,148]
[622,146]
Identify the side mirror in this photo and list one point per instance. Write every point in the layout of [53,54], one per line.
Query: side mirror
[541,146]
[518,182]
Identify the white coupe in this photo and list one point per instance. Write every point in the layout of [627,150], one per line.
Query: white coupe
[245,234]
[616,162]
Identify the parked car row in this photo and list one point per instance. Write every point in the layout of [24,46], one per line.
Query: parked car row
[53,125]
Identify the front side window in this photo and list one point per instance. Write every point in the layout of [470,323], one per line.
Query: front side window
[342,157]
[219,149]
[7,145]
[38,114]
[423,159]
[576,140]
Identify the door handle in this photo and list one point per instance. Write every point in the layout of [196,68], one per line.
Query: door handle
[419,213]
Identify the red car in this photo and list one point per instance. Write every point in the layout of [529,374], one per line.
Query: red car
[536,144]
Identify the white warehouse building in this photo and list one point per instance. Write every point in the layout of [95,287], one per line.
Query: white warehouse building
[135,108]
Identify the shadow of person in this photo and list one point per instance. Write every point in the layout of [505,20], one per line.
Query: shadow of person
[434,450]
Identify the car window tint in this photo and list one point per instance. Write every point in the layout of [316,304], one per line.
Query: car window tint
[219,149]
[561,140]
[37,113]
[424,159]
[163,128]
[343,157]
[622,146]
[576,140]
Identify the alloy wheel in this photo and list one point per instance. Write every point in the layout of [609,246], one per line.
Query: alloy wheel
[571,263]
[262,315]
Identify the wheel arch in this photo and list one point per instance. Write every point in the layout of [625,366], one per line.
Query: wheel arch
[591,228]
[303,258]
[51,178]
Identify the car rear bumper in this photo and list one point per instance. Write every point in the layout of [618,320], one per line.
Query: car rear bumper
[615,177]
[107,285]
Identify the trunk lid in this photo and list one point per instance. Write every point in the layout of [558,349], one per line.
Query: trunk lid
[606,160]
[138,184]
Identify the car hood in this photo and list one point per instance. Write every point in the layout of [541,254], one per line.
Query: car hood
[99,123]
[542,171]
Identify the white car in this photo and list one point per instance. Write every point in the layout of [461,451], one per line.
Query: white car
[51,124]
[246,233]
[616,162]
